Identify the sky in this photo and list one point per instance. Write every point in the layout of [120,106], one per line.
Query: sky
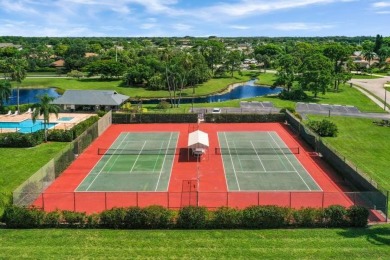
[198,18]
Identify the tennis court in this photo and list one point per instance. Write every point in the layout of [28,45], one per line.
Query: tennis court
[134,162]
[261,161]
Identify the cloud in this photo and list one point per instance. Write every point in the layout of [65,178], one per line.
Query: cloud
[240,27]
[381,4]
[299,26]
[182,27]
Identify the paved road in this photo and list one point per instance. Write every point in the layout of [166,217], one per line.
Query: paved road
[374,86]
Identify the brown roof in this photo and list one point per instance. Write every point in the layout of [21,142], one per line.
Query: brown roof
[58,63]
[90,54]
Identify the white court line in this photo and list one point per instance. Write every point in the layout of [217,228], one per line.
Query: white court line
[231,158]
[158,156]
[117,138]
[238,157]
[89,186]
[223,164]
[258,156]
[265,171]
[173,160]
[162,166]
[136,159]
[290,162]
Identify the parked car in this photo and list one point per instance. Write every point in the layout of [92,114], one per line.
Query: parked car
[216,110]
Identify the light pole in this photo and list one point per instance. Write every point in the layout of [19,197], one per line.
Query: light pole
[384,107]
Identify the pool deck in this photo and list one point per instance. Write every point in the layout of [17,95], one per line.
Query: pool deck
[77,118]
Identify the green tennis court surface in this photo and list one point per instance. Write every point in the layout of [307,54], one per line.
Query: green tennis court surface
[134,162]
[256,161]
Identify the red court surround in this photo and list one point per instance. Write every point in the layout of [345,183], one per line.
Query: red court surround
[208,173]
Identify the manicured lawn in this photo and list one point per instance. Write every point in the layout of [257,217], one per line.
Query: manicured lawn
[364,76]
[18,164]
[363,143]
[370,243]
[211,86]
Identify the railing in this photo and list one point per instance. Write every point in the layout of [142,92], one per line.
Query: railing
[98,201]
[31,189]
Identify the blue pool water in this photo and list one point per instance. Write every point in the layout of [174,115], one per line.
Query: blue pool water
[26,126]
[65,118]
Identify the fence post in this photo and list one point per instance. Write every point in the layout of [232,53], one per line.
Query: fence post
[290,199]
[227,199]
[136,198]
[258,199]
[74,201]
[323,200]
[105,200]
[387,206]
[43,201]
[168,200]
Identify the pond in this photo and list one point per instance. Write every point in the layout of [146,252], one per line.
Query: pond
[247,90]
[30,95]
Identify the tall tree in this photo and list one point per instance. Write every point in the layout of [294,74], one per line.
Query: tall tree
[18,73]
[287,71]
[213,51]
[339,55]
[233,61]
[378,43]
[5,91]
[316,74]
[45,108]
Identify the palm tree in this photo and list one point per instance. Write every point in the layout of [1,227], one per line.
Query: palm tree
[45,108]
[18,73]
[369,56]
[5,91]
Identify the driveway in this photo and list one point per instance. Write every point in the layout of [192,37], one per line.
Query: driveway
[375,86]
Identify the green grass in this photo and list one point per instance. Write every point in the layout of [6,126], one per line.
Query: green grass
[18,164]
[364,144]
[369,243]
[364,76]
[266,79]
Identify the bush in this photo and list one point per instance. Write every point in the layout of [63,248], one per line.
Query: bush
[225,217]
[335,216]
[74,219]
[293,94]
[244,118]
[163,105]
[84,125]
[157,217]
[135,118]
[308,217]
[59,135]
[52,219]
[18,217]
[192,217]
[264,217]
[134,218]
[113,218]
[93,221]
[324,128]
[19,140]
[358,216]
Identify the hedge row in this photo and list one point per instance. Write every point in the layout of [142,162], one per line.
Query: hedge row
[244,118]
[134,118]
[22,140]
[157,217]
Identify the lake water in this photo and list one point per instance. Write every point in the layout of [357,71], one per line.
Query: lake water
[247,90]
[28,96]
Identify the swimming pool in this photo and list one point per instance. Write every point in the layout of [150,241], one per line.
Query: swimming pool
[26,126]
[65,118]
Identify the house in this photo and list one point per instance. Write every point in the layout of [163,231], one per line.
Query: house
[58,63]
[75,100]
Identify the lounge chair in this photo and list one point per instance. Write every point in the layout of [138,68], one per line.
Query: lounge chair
[9,113]
[15,114]
[28,111]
